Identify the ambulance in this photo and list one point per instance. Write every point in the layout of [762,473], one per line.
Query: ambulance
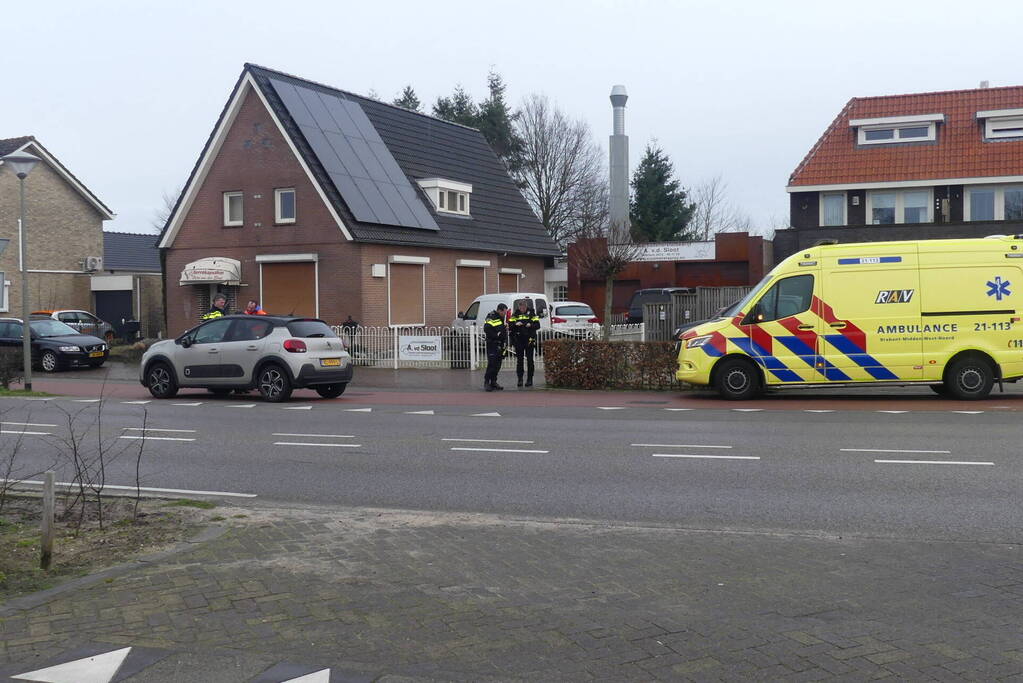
[942,313]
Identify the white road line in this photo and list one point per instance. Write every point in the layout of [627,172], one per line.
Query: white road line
[886,450]
[934,462]
[323,436]
[818,411]
[747,410]
[24,433]
[86,400]
[197,403]
[37,399]
[610,408]
[136,403]
[419,412]
[486,415]
[708,457]
[673,445]
[148,489]
[298,408]
[489,440]
[968,412]
[495,450]
[892,412]
[243,405]
[143,437]
[28,424]
[156,429]
[323,445]
[358,410]
[679,410]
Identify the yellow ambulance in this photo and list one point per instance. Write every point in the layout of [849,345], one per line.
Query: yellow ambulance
[944,313]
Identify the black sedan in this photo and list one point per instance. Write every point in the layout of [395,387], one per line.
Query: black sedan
[55,346]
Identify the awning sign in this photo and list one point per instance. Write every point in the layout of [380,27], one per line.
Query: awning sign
[215,270]
[418,348]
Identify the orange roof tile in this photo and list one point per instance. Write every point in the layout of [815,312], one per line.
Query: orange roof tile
[960,152]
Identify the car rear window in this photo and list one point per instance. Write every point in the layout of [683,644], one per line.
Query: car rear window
[573,310]
[310,328]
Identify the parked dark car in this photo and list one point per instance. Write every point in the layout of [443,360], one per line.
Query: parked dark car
[55,346]
[658,295]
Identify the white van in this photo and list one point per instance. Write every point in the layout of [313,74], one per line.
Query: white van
[482,305]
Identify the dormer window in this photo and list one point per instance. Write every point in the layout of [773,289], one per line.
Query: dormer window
[447,196]
[897,129]
[1002,124]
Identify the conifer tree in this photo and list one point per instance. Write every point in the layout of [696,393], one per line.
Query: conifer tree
[408,99]
[660,209]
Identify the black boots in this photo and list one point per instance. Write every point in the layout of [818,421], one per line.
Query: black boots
[520,380]
[492,386]
[529,381]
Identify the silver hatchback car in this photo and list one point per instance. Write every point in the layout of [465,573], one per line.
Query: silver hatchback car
[274,354]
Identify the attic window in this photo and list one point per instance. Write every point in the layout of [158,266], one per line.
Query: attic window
[447,196]
[896,129]
[1000,124]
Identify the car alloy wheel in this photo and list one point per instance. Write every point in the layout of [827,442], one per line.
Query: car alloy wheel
[48,361]
[159,380]
[274,384]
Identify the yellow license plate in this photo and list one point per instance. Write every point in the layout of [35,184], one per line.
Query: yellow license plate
[96,354]
[327,362]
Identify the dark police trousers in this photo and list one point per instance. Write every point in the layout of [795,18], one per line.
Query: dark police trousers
[495,353]
[525,350]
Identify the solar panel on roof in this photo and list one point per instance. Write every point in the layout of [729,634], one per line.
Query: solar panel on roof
[357,161]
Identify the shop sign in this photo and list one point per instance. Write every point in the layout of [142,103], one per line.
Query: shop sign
[675,251]
[419,348]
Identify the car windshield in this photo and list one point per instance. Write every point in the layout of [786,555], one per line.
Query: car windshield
[51,328]
[310,329]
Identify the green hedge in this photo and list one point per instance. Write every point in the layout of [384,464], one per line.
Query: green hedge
[589,364]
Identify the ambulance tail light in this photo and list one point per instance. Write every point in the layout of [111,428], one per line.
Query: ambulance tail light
[294,346]
[556,319]
[697,342]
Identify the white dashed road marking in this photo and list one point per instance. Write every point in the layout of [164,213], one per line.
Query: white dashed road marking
[673,445]
[196,403]
[888,450]
[419,412]
[96,669]
[969,412]
[358,410]
[157,429]
[321,436]
[148,489]
[28,424]
[144,437]
[24,433]
[322,676]
[679,410]
[495,450]
[708,457]
[86,400]
[933,462]
[818,411]
[136,403]
[892,412]
[486,415]
[489,440]
[747,410]
[322,445]
[610,408]
[243,405]
[298,407]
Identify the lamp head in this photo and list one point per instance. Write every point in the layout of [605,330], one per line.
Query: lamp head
[21,163]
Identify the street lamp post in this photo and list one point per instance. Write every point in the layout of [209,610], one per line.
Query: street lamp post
[22,163]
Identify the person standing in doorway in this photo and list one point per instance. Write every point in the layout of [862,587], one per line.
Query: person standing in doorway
[253,308]
[522,327]
[496,332]
[219,308]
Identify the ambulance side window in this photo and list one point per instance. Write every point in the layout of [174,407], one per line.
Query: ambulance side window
[784,299]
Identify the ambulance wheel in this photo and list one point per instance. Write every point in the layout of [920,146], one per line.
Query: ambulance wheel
[970,378]
[737,380]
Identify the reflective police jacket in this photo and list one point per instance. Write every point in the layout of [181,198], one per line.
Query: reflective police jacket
[214,313]
[522,327]
[494,328]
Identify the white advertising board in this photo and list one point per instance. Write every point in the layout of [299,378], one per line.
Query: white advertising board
[419,348]
[676,251]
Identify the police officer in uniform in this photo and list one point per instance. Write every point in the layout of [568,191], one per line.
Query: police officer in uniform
[522,326]
[219,308]
[496,333]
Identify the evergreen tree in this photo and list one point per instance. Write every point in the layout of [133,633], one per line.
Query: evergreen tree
[408,99]
[459,108]
[660,209]
[496,122]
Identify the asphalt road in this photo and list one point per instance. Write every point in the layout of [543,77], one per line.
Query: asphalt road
[939,470]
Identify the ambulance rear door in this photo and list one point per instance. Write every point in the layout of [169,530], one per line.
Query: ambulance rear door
[870,312]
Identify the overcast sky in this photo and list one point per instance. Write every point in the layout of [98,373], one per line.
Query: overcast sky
[126,92]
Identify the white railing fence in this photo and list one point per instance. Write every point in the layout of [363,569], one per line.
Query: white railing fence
[448,347]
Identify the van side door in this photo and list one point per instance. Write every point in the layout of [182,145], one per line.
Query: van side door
[780,331]
[870,310]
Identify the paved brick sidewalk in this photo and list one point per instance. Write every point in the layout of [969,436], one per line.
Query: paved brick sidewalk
[379,594]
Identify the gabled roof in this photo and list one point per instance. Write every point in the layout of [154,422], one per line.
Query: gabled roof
[130,251]
[423,147]
[960,151]
[29,144]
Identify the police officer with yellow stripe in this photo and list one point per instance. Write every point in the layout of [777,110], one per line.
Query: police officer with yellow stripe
[523,325]
[496,333]
[219,308]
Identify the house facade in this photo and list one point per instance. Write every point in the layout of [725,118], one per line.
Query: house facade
[919,166]
[315,201]
[130,286]
[64,222]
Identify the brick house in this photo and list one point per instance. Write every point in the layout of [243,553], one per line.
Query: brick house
[65,233]
[928,165]
[316,201]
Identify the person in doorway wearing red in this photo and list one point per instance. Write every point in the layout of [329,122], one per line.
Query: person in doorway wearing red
[252,308]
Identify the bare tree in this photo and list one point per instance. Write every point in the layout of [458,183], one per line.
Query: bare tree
[602,254]
[163,213]
[562,171]
[715,212]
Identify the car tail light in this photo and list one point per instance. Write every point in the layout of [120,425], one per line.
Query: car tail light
[294,346]
[593,320]
[556,319]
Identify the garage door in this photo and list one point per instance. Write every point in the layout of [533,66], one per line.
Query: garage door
[470,286]
[288,288]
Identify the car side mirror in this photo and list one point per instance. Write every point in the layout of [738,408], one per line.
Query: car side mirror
[185,342]
[461,315]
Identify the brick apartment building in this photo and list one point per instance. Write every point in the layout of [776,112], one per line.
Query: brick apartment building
[65,233]
[918,166]
[315,201]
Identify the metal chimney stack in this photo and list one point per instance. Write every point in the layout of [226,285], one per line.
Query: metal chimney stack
[618,205]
